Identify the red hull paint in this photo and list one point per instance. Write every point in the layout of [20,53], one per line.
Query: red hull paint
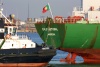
[23,64]
[89,55]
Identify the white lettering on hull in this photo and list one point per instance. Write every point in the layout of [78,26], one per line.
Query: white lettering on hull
[49,30]
[51,34]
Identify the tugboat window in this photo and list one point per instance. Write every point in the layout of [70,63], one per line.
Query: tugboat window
[25,45]
[14,31]
[12,45]
[6,30]
[31,44]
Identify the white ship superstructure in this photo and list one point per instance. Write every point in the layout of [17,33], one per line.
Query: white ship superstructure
[90,10]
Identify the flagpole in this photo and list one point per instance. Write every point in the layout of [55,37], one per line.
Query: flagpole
[50,11]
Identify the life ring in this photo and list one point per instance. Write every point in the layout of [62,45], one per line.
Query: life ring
[7,36]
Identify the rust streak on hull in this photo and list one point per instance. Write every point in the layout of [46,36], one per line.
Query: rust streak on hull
[85,53]
[89,55]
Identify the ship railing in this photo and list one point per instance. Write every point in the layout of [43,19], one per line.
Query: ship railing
[39,20]
[93,21]
[58,19]
[55,20]
[77,9]
[25,37]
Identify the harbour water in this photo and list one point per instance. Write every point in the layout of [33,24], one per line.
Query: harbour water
[55,61]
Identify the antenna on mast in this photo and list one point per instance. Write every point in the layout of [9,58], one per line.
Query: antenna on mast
[1,3]
[1,14]
[28,9]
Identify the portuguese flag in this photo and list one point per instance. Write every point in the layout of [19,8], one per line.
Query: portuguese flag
[46,8]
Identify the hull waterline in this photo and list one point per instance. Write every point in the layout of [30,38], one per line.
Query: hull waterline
[81,39]
[23,64]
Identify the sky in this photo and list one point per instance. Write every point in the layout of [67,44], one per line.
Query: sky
[20,8]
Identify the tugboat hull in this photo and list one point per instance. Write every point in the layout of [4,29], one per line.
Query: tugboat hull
[26,57]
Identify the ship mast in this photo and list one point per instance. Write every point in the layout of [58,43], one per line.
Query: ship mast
[1,14]
[28,9]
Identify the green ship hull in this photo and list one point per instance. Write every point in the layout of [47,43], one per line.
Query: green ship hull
[79,39]
[64,35]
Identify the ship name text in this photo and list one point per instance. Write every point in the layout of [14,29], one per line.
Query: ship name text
[49,29]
